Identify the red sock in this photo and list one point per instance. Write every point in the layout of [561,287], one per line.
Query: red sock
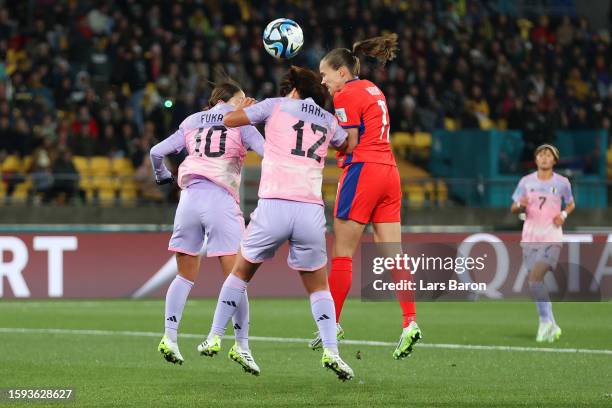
[405,298]
[340,278]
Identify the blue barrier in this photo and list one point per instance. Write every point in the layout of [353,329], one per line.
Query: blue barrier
[492,159]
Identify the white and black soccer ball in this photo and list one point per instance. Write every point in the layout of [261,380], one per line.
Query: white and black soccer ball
[283,38]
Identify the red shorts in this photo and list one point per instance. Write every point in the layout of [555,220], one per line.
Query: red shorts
[369,192]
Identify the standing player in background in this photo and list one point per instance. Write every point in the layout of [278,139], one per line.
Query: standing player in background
[369,189]
[209,205]
[290,207]
[540,196]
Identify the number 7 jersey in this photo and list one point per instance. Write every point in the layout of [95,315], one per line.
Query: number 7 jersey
[298,133]
[544,204]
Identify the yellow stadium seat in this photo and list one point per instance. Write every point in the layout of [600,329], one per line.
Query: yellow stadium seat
[329,190]
[485,123]
[2,192]
[11,164]
[401,142]
[22,191]
[100,166]
[429,190]
[82,165]
[26,163]
[441,192]
[422,140]
[128,183]
[609,156]
[415,194]
[450,124]
[252,159]
[128,196]
[122,167]
[331,173]
[106,197]
[105,182]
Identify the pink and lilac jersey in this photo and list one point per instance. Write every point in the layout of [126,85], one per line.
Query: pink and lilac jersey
[214,151]
[544,204]
[298,133]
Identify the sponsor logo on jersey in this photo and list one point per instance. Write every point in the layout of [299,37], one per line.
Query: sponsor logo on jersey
[341,114]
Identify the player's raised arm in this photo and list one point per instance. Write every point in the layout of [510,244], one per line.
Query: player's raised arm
[238,117]
[172,144]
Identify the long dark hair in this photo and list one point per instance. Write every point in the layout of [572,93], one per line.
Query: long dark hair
[307,83]
[383,48]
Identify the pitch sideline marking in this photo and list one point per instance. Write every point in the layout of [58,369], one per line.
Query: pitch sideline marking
[305,341]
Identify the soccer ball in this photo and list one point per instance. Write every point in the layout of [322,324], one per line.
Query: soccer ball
[283,38]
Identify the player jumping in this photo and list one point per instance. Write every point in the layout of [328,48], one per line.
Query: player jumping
[209,178]
[540,196]
[369,189]
[290,207]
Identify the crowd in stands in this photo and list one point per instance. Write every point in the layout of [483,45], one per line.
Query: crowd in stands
[111,78]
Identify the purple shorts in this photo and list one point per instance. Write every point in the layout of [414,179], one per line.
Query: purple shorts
[206,209]
[275,221]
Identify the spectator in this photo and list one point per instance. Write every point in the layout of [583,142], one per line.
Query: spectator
[65,178]
[42,177]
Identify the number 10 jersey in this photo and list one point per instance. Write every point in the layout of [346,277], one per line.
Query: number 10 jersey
[214,151]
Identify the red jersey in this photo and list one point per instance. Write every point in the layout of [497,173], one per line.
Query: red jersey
[361,104]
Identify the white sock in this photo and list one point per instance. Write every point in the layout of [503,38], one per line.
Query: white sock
[176,297]
[324,313]
[241,323]
[230,298]
[540,295]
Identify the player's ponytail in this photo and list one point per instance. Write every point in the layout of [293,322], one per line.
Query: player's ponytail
[224,89]
[383,48]
[307,83]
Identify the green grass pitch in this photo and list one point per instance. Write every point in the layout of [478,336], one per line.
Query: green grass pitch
[125,369]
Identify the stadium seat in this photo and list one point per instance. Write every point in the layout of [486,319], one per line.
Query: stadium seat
[86,184]
[22,191]
[485,123]
[450,124]
[122,167]
[105,182]
[401,142]
[100,166]
[26,163]
[502,124]
[415,194]
[252,160]
[106,197]
[329,191]
[2,192]
[422,140]
[12,164]
[429,190]
[128,195]
[441,192]
[82,165]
